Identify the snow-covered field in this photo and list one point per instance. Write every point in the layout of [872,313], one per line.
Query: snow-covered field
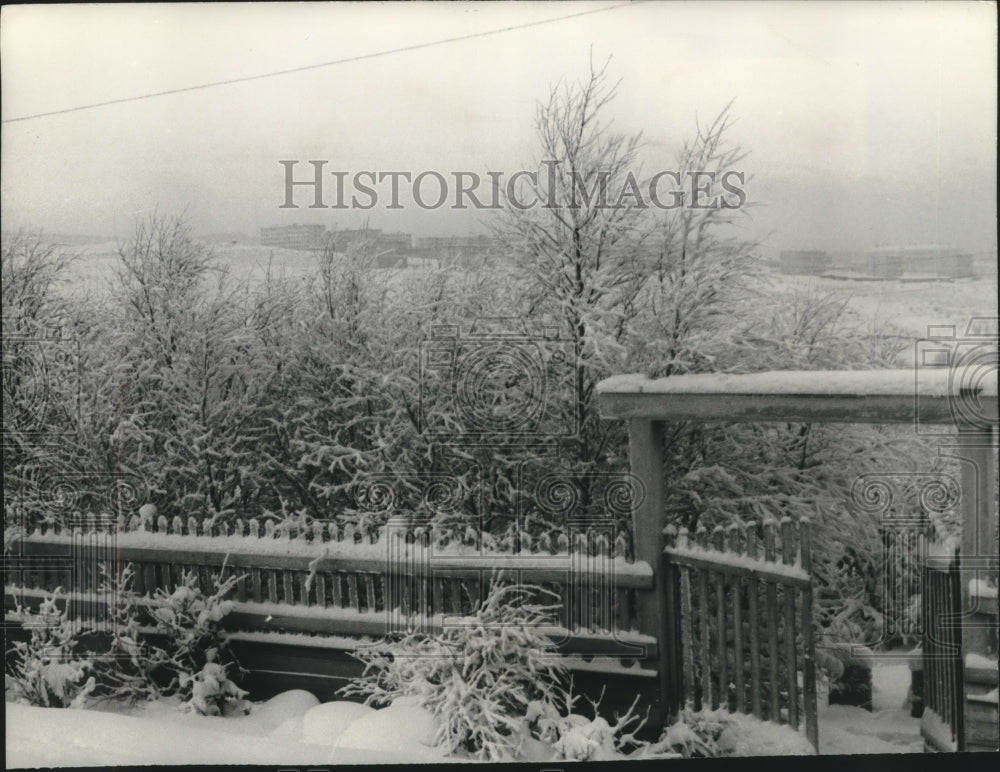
[294,728]
[94,265]
[907,307]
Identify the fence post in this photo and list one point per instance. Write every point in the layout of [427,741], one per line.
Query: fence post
[808,644]
[978,507]
[645,452]
[670,648]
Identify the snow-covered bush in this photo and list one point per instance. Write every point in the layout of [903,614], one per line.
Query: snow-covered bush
[720,733]
[495,685]
[190,620]
[212,693]
[134,668]
[485,679]
[129,670]
[575,737]
[47,670]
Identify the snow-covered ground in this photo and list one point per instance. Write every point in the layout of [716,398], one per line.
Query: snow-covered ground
[294,728]
[888,728]
[908,308]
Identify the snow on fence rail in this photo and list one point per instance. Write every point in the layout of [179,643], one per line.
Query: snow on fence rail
[735,648]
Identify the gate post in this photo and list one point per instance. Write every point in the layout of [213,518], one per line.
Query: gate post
[645,453]
[670,644]
[978,542]
[977,559]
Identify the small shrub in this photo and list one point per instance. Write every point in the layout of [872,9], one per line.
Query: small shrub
[574,737]
[193,663]
[212,693]
[129,670]
[479,678]
[46,670]
[191,621]
[718,733]
[496,686]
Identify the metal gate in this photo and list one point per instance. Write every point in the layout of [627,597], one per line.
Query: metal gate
[944,678]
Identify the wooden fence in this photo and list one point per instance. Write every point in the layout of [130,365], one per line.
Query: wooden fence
[739,616]
[332,587]
[730,633]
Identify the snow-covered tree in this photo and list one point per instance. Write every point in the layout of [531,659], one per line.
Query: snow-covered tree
[578,247]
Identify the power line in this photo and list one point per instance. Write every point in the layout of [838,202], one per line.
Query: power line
[304,68]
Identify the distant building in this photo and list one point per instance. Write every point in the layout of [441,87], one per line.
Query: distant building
[345,239]
[311,237]
[390,248]
[810,261]
[925,260]
[455,247]
[399,242]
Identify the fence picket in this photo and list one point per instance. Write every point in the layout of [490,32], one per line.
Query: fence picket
[320,581]
[687,634]
[149,575]
[706,663]
[370,591]
[256,583]
[771,611]
[352,591]
[287,588]
[753,593]
[272,585]
[669,636]
[718,537]
[338,590]
[241,589]
[305,587]
[738,663]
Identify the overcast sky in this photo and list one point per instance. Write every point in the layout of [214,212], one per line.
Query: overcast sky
[867,122]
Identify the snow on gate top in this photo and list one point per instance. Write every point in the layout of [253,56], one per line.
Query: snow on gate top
[965,393]
[936,382]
